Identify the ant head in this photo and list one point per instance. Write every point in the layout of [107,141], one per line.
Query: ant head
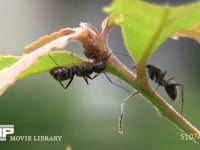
[150,66]
[151,71]
[153,68]
[156,74]
[99,67]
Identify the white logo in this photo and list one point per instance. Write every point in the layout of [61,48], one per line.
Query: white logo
[5,130]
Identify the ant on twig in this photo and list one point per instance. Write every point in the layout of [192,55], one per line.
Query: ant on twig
[158,76]
[63,73]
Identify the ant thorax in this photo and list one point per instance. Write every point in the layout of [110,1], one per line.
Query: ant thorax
[81,71]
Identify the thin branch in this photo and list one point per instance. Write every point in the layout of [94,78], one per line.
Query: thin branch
[150,94]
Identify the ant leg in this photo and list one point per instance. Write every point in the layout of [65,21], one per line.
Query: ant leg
[62,84]
[161,78]
[65,87]
[53,59]
[121,118]
[86,79]
[118,85]
[182,97]
[172,78]
[115,83]
[157,87]
[96,75]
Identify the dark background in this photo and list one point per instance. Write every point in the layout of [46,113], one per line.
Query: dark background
[87,116]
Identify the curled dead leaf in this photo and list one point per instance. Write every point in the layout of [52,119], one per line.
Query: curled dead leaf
[193,33]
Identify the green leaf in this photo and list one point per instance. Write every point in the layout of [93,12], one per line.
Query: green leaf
[14,67]
[146,26]
[45,64]
[7,61]
[62,58]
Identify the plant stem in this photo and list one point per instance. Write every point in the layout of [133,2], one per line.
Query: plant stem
[117,68]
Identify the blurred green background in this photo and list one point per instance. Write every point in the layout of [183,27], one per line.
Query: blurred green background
[87,116]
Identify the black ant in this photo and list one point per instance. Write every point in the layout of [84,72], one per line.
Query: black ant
[158,76]
[63,73]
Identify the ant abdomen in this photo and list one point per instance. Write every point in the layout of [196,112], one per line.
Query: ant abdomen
[61,73]
[171,91]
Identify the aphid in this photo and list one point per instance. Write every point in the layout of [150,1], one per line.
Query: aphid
[157,75]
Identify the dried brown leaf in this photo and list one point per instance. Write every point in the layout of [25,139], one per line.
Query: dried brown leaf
[9,75]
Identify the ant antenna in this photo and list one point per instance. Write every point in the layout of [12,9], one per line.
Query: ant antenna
[122,54]
[53,60]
